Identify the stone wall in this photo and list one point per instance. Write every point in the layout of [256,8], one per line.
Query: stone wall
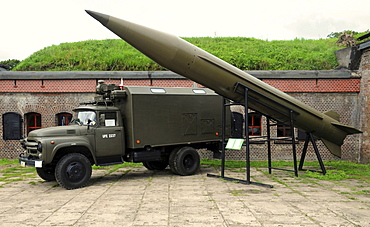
[365,107]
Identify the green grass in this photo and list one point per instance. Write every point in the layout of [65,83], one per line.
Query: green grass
[336,170]
[244,53]
[5,161]
[16,173]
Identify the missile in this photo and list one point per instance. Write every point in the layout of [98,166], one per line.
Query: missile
[186,59]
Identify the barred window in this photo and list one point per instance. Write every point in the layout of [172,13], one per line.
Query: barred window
[254,124]
[33,121]
[283,130]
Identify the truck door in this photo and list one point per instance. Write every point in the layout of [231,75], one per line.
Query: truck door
[109,136]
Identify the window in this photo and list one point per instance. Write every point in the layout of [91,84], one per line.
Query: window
[283,130]
[33,121]
[12,126]
[199,91]
[108,119]
[85,117]
[63,118]
[254,124]
[158,90]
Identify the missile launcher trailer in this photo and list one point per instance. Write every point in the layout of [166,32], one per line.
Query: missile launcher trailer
[155,126]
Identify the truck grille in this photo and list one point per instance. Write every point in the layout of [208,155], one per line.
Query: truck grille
[31,147]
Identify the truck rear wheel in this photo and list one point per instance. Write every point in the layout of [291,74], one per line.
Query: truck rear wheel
[185,161]
[47,174]
[73,171]
[155,165]
[172,160]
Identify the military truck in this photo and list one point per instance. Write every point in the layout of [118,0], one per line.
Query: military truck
[158,126]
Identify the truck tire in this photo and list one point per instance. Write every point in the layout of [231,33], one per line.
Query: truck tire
[73,171]
[186,161]
[172,160]
[47,174]
[156,165]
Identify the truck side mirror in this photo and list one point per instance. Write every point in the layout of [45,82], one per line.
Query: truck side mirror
[88,123]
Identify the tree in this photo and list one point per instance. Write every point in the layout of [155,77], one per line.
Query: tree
[9,64]
[337,34]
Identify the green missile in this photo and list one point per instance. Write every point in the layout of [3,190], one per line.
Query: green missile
[184,58]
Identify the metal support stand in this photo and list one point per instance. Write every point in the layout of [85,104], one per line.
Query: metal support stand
[277,108]
[269,139]
[309,138]
[246,144]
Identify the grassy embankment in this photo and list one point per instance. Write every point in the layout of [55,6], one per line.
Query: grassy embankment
[244,53]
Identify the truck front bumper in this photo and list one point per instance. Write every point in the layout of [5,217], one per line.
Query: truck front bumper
[29,161]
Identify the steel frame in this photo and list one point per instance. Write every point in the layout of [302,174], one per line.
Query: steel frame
[289,113]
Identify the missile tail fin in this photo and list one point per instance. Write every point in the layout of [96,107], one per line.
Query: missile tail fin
[333,148]
[348,129]
[333,114]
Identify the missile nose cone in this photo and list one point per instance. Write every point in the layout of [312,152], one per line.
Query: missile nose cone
[102,18]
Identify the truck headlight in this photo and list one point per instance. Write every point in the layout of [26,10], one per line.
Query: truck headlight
[23,144]
[39,147]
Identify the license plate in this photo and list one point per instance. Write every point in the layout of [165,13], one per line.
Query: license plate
[23,164]
[38,164]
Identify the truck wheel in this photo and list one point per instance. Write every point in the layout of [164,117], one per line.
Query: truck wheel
[172,160]
[47,174]
[156,165]
[73,171]
[186,161]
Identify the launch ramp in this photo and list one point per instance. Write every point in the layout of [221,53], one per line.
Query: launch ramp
[278,111]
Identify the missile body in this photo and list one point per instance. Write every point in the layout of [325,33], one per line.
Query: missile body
[204,68]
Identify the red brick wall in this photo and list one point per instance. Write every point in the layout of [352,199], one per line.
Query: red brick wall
[48,85]
[315,85]
[85,85]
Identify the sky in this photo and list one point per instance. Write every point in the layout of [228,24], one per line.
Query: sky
[28,26]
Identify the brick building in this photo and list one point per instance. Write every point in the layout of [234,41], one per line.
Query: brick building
[45,99]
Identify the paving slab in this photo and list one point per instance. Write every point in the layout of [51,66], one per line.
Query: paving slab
[135,196]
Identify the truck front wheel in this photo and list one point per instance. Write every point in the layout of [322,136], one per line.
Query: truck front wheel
[185,161]
[46,173]
[73,171]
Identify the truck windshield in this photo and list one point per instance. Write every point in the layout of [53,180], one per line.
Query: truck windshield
[85,118]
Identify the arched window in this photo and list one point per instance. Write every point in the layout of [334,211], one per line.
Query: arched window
[63,118]
[12,126]
[33,121]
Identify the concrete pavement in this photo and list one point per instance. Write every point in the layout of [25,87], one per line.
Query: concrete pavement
[135,196]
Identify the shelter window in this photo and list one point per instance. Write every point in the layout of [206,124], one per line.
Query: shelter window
[199,91]
[254,124]
[158,90]
[64,118]
[33,121]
